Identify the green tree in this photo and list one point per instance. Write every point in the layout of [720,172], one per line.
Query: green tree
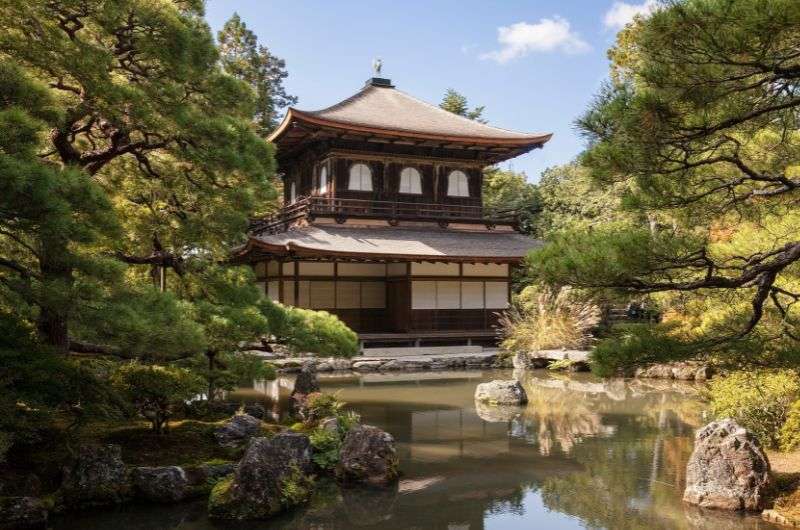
[700,130]
[509,191]
[138,155]
[243,58]
[155,390]
[457,104]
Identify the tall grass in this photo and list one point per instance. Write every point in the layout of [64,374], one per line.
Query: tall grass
[548,319]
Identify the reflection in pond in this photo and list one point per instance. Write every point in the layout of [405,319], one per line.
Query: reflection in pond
[583,453]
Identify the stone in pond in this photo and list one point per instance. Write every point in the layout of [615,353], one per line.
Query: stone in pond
[238,430]
[22,512]
[272,476]
[728,470]
[97,477]
[161,484]
[500,392]
[368,456]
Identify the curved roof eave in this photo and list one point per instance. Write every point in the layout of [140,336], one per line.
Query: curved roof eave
[294,114]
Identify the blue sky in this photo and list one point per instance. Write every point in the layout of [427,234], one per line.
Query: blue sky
[534,64]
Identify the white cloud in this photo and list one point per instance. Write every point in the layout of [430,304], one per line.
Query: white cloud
[621,13]
[548,35]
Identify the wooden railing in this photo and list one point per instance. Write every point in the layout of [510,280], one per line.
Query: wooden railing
[360,208]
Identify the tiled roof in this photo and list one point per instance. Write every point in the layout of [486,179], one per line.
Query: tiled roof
[384,108]
[398,242]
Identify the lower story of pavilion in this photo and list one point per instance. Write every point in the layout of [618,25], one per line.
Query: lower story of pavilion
[390,301]
[394,285]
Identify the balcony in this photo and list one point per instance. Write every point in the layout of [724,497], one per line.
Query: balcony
[343,209]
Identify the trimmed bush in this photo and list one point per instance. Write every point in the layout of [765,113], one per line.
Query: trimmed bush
[759,401]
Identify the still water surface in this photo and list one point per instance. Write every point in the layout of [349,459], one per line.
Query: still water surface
[584,453]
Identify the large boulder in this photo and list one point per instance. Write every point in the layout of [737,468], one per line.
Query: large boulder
[161,484]
[500,392]
[728,470]
[272,476]
[306,382]
[367,456]
[238,430]
[97,477]
[22,512]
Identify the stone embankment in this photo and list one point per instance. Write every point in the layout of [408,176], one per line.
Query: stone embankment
[683,371]
[447,361]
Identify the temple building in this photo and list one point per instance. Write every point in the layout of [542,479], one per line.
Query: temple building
[383,222]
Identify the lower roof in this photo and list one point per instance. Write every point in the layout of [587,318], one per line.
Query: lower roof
[394,243]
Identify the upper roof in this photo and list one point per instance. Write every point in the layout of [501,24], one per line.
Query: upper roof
[395,243]
[381,109]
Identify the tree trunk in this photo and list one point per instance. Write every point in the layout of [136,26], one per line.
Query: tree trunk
[53,321]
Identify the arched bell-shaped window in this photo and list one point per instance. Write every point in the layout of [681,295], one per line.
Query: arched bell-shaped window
[457,184]
[410,181]
[360,178]
[292,193]
[323,180]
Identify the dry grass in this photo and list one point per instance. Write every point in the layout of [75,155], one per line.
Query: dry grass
[548,320]
[786,470]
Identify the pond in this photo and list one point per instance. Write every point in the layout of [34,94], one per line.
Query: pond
[584,453]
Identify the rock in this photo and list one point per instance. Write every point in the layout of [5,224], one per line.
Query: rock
[521,361]
[406,364]
[161,484]
[236,431]
[367,366]
[703,373]
[255,410]
[306,382]
[97,477]
[329,424]
[501,392]
[497,413]
[368,456]
[579,366]
[22,512]
[728,470]
[334,364]
[271,477]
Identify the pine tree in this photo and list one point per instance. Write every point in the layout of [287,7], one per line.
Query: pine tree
[457,104]
[242,57]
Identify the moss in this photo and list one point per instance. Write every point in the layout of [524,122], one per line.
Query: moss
[296,488]
[219,498]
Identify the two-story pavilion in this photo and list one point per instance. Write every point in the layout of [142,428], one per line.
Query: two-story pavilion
[383,222]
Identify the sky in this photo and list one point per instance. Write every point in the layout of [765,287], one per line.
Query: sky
[534,64]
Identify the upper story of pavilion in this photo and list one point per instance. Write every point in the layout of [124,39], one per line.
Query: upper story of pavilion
[384,156]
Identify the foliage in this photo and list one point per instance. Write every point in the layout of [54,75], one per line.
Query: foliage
[627,346]
[548,319]
[243,58]
[457,104]
[320,405]
[155,390]
[296,487]
[789,436]
[508,191]
[759,400]
[560,364]
[326,446]
[304,330]
[569,199]
[696,134]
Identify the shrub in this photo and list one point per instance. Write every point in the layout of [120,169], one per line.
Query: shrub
[154,390]
[326,447]
[319,405]
[629,346]
[304,330]
[548,319]
[759,401]
[790,431]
